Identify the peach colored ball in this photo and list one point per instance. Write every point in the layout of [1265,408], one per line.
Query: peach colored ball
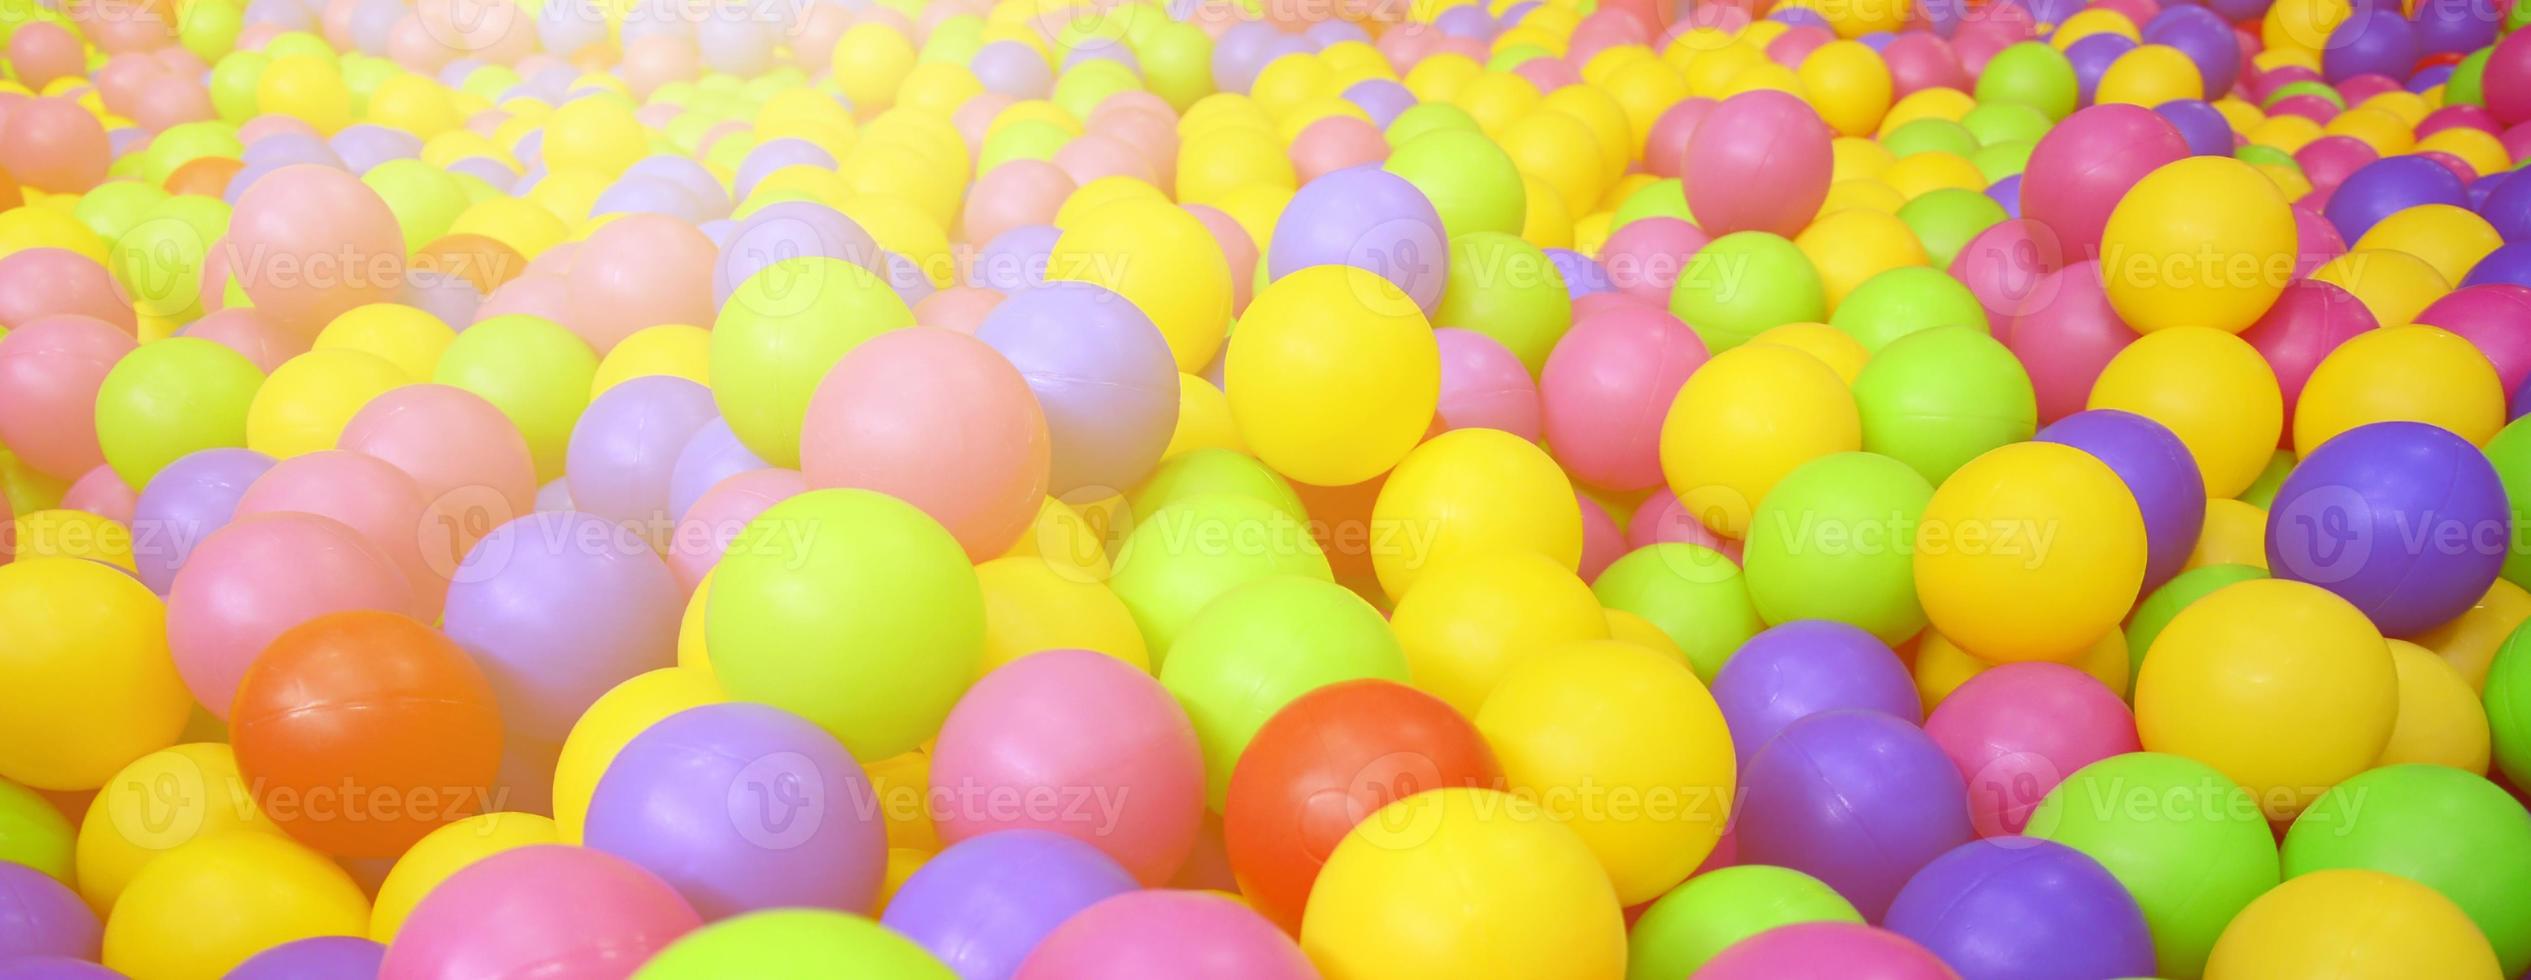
[1334,143]
[1091,156]
[468,460]
[640,270]
[247,332]
[959,308]
[1016,194]
[940,420]
[309,242]
[715,519]
[50,371]
[42,51]
[52,144]
[370,496]
[102,493]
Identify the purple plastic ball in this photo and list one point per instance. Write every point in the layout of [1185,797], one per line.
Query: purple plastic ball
[2405,520]
[43,917]
[2007,192]
[2157,468]
[2507,264]
[982,905]
[366,145]
[788,230]
[2091,58]
[2388,185]
[1370,219]
[1582,274]
[711,455]
[558,607]
[54,968]
[2456,26]
[772,155]
[1806,667]
[1103,374]
[2377,40]
[317,958]
[743,807]
[1381,99]
[1013,69]
[2204,37]
[2201,124]
[2020,908]
[1856,799]
[184,503]
[623,451]
[2507,206]
[1015,259]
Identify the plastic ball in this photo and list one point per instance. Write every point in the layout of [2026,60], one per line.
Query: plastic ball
[93,687]
[1030,881]
[793,941]
[1742,284]
[2083,168]
[158,928]
[1758,162]
[2286,742]
[2030,73]
[1328,759]
[1994,588]
[1803,668]
[2402,519]
[777,336]
[1368,218]
[2211,390]
[1468,864]
[771,641]
[1713,911]
[1508,291]
[1470,181]
[46,918]
[2017,730]
[559,607]
[1102,374]
[2158,471]
[1472,492]
[1858,799]
[1981,400]
[1258,646]
[2205,241]
[1334,375]
[1835,541]
[1484,385]
[874,420]
[2189,876]
[2474,816]
[1469,621]
[444,852]
[1172,933]
[309,242]
[55,367]
[2400,373]
[811,838]
[1744,421]
[572,910]
[2353,923]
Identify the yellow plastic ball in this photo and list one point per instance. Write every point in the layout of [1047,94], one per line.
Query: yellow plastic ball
[2029,552]
[2235,533]
[694,650]
[1288,81]
[515,222]
[414,104]
[408,338]
[871,59]
[2440,721]
[624,711]
[1333,375]
[2449,239]
[1626,627]
[1211,167]
[1463,884]
[1546,221]
[1030,605]
[2205,241]
[86,683]
[1100,193]
[902,783]
[1848,84]
[2211,389]
[2387,134]
[1204,420]
[2149,76]
[676,350]
[2282,685]
[2395,286]
[1559,150]
[1853,245]
[1590,723]
[1941,666]
[2302,25]
[593,133]
[203,908]
[1469,492]
[1440,77]
[2288,133]
[156,804]
[1927,103]
[1468,622]
[1745,419]
[62,533]
[445,852]
[1073,540]
[2351,924]
[1833,347]
[2412,373]
[304,405]
[2470,641]
[1161,259]
[2480,149]
[308,88]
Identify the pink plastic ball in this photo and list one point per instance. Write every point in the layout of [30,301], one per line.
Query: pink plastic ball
[1237,248]
[1548,74]
[1822,950]
[2330,160]
[1661,519]
[2311,319]
[54,145]
[1484,385]
[102,493]
[2507,81]
[1016,194]
[372,497]
[550,911]
[1068,721]
[543,296]
[2082,167]
[938,419]
[640,270]
[1334,143]
[1644,257]
[42,282]
[257,577]
[974,117]
[2065,341]
[1602,541]
[2494,316]
[2316,240]
[247,332]
[1920,60]
[1606,389]
[466,458]
[959,308]
[1789,48]
[2006,267]
[1665,148]
[1091,156]
[2018,730]
[50,371]
[41,51]
[410,44]
[1185,935]
[715,519]
[309,242]
[1759,162]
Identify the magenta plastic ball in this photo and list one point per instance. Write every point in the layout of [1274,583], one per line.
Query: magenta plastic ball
[1798,669]
[2497,318]
[1857,799]
[1370,219]
[547,910]
[1665,149]
[1484,386]
[1607,388]
[2024,908]
[2087,162]
[2316,241]
[2017,730]
[624,450]
[2006,267]
[2065,341]
[40,282]
[1186,935]
[1064,722]
[50,370]
[742,807]
[1919,61]
[984,904]
[2158,471]
[1824,950]
[1760,161]
[558,608]
[1645,255]
[2330,160]
[2311,319]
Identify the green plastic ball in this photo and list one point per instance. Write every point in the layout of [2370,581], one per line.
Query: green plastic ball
[778,335]
[1945,220]
[1937,398]
[1213,470]
[2446,829]
[2030,73]
[1262,644]
[1745,283]
[2000,160]
[1427,117]
[34,833]
[159,261]
[1185,555]
[2262,491]
[1694,594]
[1904,300]
[425,199]
[233,82]
[2508,699]
[1930,135]
[2003,121]
[1177,62]
[1469,178]
[2190,844]
[2464,87]
[1835,539]
[1505,288]
[794,943]
[2157,609]
[534,371]
[1709,912]
[2510,453]
[1659,199]
[170,398]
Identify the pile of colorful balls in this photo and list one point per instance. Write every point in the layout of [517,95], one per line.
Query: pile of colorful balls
[1264,489]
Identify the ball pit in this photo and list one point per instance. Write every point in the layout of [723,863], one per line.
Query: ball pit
[1252,491]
